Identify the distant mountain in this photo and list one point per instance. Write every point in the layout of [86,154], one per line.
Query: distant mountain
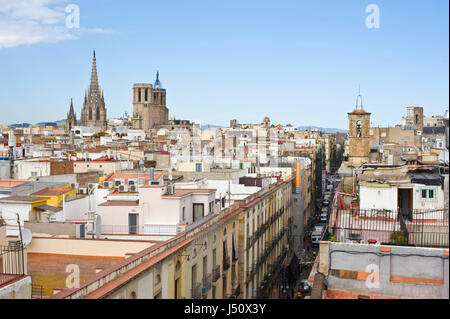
[21,125]
[322,129]
[56,122]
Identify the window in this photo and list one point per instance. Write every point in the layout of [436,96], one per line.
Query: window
[139,95]
[430,193]
[90,113]
[211,207]
[358,129]
[198,211]
[98,114]
[424,193]
[183,216]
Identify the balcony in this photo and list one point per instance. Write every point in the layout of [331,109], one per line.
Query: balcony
[226,263]
[236,291]
[216,273]
[207,283]
[12,264]
[197,292]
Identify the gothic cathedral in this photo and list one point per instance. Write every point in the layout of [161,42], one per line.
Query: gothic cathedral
[94,110]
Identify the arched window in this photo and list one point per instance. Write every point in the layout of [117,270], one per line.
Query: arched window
[97,115]
[358,129]
[133,295]
[90,113]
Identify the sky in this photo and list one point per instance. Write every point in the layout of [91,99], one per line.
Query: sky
[298,62]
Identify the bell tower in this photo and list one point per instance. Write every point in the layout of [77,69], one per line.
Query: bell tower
[359,134]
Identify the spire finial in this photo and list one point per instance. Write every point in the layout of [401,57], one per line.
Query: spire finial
[359,98]
[157,82]
[94,53]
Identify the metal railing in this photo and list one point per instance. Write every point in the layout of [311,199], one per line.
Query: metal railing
[226,263]
[139,230]
[12,264]
[37,291]
[422,228]
[207,283]
[197,292]
[216,273]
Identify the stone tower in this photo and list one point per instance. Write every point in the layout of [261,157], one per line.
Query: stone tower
[359,134]
[94,110]
[149,105]
[71,118]
[266,123]
[414,118]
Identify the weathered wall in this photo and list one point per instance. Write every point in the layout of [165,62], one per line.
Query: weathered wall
[20,289]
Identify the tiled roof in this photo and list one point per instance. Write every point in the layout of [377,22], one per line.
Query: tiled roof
[19,199]
[51,192]
[11,182]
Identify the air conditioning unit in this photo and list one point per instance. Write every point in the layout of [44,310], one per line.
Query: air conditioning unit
[123,188]
[133,188]
[74,186]
[419,133]
[83,190]
[108,184]
[118,182]
[132,181]
[91,186]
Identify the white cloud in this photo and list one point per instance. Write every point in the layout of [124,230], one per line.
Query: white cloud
[26,22]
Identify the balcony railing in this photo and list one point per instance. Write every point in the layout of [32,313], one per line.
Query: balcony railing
[139,230]
[197,292]
[226,263]
[236,291]
[12,263]
[207,283]
[216,273]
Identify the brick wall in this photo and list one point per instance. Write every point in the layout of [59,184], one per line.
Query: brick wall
[61,168]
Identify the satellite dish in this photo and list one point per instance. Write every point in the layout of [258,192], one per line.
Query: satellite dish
[98,226]
[27,236]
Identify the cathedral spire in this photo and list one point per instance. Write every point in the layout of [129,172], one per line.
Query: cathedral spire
[71,111]
[93,89]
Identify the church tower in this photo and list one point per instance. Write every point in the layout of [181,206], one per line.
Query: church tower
[71,118]
[94,110]
[149,105]
[359,134]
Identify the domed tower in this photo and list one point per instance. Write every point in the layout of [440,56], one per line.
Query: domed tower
[359,134]
[94,110]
